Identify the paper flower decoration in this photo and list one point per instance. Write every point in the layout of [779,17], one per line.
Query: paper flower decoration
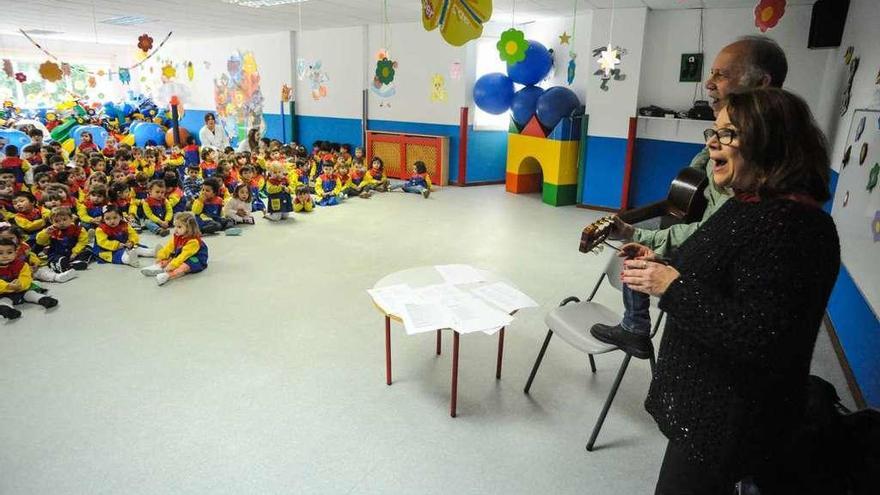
[124,75]
[145,42]
[459,20]
[20,77]
[50,71]
[768,13]
[608,59]
[7,68]
[385,71]
[381,53]
[512,46]
[168,71]
[190,71]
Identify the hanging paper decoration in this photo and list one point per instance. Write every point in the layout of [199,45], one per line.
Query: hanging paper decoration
[124,75]
[381,53]
[863,154]
[459,20]
[853,63]
[20,77]
[168,71]
[512,46]
[92,82]
[768,13]
[438,88]
[572,67]
[385,71]
[875,226]
[455,71]
[145,42]
[872,177]
[190,71]
[609,59]
[860,128]
[7,68]
[50,71]
[285,93]
[564,38]
[301,67]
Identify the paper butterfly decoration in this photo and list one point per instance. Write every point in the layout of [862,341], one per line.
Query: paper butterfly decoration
[459,20]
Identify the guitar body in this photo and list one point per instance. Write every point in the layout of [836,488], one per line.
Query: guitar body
[684,202]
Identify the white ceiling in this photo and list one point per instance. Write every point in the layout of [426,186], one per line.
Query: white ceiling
[214,18]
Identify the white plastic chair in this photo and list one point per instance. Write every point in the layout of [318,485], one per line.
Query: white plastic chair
[572,323]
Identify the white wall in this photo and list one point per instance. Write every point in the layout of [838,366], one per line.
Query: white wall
[420,54]
[610,110]
[669,33]
[342,55]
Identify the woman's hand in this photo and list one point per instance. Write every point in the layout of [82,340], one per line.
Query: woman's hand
[633,250]
[649,277]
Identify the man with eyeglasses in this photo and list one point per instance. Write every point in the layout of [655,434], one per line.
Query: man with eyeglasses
[749,62]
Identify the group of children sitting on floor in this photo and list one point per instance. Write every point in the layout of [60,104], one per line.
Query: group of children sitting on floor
[61,213]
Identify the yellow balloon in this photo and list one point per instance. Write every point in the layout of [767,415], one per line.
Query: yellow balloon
[68,145]
[129,140]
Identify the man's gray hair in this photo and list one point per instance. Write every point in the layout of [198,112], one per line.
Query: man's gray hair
[762,57]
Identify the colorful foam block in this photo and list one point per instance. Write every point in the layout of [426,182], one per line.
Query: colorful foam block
[544,164]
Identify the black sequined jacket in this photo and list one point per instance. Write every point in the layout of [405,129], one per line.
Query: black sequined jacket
[731,374]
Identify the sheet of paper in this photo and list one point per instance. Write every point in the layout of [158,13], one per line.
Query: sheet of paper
[425,317]
[473,315]
[506,297]
[460,274]
[392,298]
[441,293]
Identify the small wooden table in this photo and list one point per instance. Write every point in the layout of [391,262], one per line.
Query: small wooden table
[421,277]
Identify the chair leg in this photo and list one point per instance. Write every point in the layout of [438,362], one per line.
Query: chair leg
[652,360]
[538,361]
[592,363]
[608,402]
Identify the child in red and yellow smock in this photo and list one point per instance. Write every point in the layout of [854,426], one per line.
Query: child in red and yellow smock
[64,242]
[28,216]
[117,242]
[376,177]
[185,253]
[15,282]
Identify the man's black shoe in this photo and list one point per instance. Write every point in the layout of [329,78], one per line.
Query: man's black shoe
[638,346]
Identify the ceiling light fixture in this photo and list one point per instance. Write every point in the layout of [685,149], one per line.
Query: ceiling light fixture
[126,20]
[263,3]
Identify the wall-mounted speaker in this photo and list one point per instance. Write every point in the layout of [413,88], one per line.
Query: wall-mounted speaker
[827,23]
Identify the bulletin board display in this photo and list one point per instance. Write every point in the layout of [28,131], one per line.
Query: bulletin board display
[856,207]
[400,151]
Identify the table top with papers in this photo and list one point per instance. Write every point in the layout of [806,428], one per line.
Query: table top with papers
[458,297]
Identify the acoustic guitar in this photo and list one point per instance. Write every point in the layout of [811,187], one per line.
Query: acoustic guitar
[684,203]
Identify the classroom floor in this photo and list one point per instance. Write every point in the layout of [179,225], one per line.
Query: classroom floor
[265,374]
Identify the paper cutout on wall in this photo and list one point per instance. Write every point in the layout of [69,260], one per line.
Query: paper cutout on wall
[455,71]
[847,92]
[768,13]
[285,93]
[846,154]
[863,154]
[438,88]
[168,71]
[301,68]
[145,42]
[384,77]
[317,77]
[7,68]
[124,75]
[861,128]
[20,77]
[238,97]
[92,82]
[564,38]
[875,226]
[609,59]
[872,177]
[190,71]
[512,46]
[848,55]
[50,71]
[572,67]
[459,20]
[206,64]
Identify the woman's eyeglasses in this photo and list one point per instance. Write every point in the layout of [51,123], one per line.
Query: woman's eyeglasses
[724,135]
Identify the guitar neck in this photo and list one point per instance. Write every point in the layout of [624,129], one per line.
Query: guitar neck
[646,212]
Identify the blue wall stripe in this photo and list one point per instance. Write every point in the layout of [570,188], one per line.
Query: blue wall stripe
[656,163]
[603,171]
[338,130]
[858,330]
[487,156]
[193,120]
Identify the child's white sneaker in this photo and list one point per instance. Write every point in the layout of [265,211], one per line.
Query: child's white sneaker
[152,270]
[65,276]
[130,258]
[162,278]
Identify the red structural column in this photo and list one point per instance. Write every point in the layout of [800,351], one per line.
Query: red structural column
[628,163]
[462,146]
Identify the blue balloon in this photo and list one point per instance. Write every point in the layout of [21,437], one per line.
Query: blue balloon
[493,93]
[148,131]
[524,103]
[556,103]
[534,67]
[15,138]
[99,134]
